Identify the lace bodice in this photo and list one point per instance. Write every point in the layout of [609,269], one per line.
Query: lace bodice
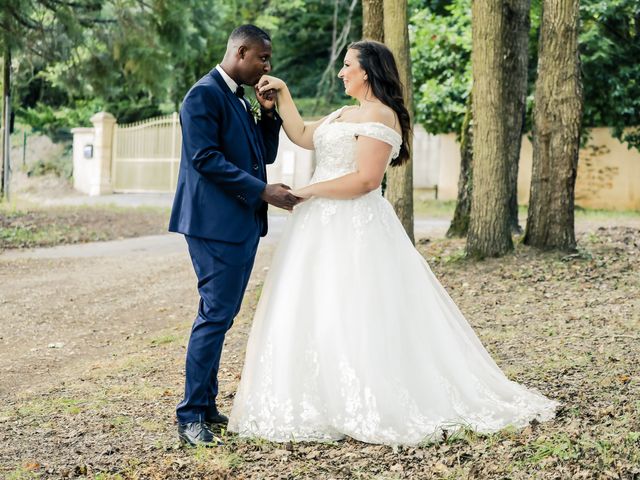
[335,145]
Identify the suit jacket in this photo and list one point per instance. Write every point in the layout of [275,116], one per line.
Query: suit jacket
[222,165]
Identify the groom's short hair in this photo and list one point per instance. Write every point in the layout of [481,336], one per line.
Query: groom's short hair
[249,34]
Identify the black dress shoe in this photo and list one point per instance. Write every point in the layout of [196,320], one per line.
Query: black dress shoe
[216,421]
[193,434]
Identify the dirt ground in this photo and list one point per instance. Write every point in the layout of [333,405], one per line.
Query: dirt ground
[92,356]
[29,227]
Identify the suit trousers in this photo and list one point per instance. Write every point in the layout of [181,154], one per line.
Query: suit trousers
[223,270]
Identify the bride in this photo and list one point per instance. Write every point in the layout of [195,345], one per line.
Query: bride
[353,335]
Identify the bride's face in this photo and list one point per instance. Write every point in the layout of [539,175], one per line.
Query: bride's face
[352,75]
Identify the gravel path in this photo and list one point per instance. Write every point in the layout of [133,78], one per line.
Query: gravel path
[65,306]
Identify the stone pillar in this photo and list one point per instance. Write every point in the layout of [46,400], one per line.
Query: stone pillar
[84,164]
[104,126]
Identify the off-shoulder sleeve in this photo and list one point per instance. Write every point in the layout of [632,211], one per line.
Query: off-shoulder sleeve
[381,132]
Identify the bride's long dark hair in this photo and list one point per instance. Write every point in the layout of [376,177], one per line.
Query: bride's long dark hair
[382,74]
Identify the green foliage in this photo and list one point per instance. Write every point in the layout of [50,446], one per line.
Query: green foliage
[301,32]
[441,65]
[310,108]
[609,46]
[138,59]
[560,446]
[57,122]
[22,473]
[610,49]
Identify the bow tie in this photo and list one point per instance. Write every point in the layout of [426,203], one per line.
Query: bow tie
[240,92]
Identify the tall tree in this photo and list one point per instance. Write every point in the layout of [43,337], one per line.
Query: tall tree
[6,118]
[460,223]
[373,20]
[40,26]
[440,54]
[556,130]
[489,231]
[516,56]
[399,190]
[7,45]
[516,62]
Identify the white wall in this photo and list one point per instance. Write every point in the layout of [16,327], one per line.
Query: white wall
[294,165]
[608,172]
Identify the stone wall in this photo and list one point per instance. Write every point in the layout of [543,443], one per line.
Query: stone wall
[608,172]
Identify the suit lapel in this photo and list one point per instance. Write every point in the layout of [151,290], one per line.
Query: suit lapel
[242,113]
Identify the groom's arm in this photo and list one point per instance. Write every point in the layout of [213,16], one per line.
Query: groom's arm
[200,119]
[270,123]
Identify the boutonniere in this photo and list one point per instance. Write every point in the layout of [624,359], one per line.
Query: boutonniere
[255,111]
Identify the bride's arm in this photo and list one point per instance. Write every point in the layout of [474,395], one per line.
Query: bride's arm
[372,156]
[297,130]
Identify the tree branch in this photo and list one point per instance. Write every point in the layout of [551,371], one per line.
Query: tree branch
[338,43]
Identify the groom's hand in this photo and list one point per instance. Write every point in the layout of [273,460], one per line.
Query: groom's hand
[267,99]
[279,195]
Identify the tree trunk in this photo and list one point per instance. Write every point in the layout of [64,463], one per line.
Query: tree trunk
[460,223]
[556,130]
[489,232]
[400,179]
[516,62]
[6,120]
[373,20]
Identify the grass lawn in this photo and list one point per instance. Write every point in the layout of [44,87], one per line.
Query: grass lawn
[25,225]
[424,205]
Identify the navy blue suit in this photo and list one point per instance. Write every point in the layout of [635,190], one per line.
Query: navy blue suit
[218,207]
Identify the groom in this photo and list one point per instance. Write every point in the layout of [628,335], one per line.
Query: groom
[221,208]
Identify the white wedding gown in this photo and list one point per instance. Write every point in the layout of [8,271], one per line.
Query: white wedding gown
[353,334]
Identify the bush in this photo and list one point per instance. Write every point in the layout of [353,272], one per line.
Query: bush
[61,166]
[57,124]
[441,65]
[308,107]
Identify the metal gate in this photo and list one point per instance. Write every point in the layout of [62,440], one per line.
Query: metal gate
[146,155]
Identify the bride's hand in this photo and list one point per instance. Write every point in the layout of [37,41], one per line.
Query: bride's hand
[267,90]
[303,193]
[267,82]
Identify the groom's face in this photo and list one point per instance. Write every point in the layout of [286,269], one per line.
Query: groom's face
[255,61]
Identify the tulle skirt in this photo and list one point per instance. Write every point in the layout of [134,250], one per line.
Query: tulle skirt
[354,336]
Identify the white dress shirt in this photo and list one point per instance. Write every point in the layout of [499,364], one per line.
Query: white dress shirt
[231,84]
